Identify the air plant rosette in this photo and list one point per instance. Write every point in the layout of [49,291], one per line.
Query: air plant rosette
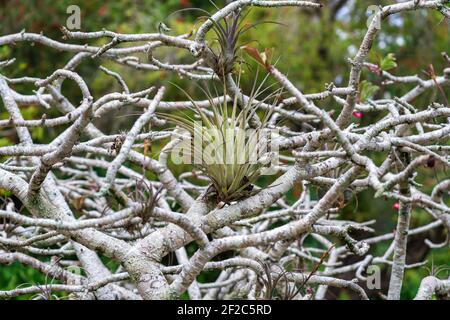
[222,52]
[223,146]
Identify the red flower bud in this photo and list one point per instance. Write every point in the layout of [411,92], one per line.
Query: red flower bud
[396,206]
[103,10]
[358,114]
[185,3]
[374,69]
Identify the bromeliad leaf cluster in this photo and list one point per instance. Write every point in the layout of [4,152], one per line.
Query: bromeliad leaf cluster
[232,155]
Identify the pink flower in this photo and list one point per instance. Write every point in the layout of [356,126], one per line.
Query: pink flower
[358,114]
[374,69]
[396,206]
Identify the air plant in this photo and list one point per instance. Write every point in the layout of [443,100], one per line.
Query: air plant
[143,194]
[146,195]
[270,281]
[232,156]
[222,53]
[435,271]
[228,31]
[276,282]
[222,58]
[46,292]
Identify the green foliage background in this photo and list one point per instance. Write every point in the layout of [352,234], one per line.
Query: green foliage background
[312,46]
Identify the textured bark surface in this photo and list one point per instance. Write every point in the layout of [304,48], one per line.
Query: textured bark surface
[102,205]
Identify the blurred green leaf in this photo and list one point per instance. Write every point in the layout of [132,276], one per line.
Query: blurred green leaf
[388,62]
[367,90]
